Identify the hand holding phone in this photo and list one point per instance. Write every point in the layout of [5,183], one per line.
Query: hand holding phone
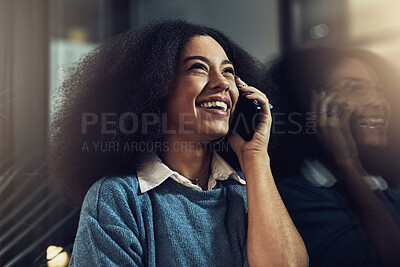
[246,117]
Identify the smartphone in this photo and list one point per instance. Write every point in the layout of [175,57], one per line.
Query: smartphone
[246,117]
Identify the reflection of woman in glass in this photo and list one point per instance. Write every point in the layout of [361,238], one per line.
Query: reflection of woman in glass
[336,197]
[176,202]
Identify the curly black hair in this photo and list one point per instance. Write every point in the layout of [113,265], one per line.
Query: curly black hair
[296,75]
[128,75]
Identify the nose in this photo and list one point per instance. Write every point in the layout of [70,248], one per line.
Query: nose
[219,82]
[375,99]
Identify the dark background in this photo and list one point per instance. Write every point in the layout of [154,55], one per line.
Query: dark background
[39,39]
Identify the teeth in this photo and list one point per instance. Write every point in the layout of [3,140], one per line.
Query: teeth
[371,121]
[213,104]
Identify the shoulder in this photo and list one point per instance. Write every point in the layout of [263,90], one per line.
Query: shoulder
[108,187]
[331,231]
[237,186]
[112,224]
[298,193]
[296,187]
[113,194]
[393,195]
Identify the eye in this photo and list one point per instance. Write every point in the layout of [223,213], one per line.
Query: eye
[228,70]
[358,86]
[198,66]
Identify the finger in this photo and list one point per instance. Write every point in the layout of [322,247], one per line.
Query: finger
[332,119]
[324,101]
[239,83]
[341,110]
[345,120]
[252,93]
[264,118]
[245,87]
[247,90]
[319,97]
[342,105]
[261,99]
[252,89]
[346,129]
[347,112]
[335,107]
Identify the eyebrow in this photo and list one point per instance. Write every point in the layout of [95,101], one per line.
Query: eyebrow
[352,79]
[224,62]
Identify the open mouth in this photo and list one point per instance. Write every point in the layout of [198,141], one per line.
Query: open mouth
[215,105]
[372,122]
[218,105]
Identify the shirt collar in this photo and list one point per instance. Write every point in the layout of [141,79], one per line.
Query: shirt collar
[156,172]
[320,176]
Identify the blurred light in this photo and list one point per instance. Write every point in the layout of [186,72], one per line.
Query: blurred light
[319,31]
[78,35]
[55,258]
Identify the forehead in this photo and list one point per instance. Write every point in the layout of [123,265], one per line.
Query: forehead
[203,45]
[353,68]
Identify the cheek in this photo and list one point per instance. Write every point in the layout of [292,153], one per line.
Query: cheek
[184,96]
[353,98]
[234,94]
[234,101]
[347,94]
[388,109]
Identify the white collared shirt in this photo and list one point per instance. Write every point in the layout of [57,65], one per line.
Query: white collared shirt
[319,176]
[155,172]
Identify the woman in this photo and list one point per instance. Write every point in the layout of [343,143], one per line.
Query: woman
[167,198]
[337,122]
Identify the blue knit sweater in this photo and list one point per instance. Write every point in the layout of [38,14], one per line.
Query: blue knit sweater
[170,225]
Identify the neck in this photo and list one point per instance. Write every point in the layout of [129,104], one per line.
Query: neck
[189,158]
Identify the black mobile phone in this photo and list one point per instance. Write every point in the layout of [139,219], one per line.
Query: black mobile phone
[246,117]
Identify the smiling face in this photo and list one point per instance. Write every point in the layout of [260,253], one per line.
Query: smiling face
[203,91]
[358,83]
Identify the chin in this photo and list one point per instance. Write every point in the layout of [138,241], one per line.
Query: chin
[371,140]
[370,135]
[216,131]
[217,135]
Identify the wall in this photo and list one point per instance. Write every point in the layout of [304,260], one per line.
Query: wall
[252,24]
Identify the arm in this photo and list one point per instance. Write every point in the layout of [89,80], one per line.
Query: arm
[272,238]
[103,237]
[332,235]
[376,218]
